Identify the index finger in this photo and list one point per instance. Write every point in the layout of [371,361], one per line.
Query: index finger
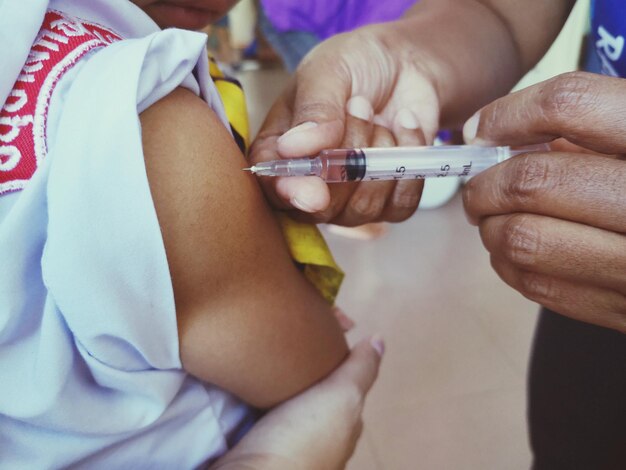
[585,108]
[318,107]
[309,194]
[361,367]
[587,189]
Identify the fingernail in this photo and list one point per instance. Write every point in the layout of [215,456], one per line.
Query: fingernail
[298,203]
[378,344]
[305,126]
[360,108]
[344,320]
[407,119]
[471,128]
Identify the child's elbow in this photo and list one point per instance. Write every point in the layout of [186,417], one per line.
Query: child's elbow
[265,379]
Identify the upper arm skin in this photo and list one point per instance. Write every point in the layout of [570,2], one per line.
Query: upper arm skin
[248,321]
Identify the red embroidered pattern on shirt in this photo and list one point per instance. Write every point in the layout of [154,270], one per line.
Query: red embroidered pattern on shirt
[61,42]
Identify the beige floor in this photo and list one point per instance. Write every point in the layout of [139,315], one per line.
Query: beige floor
[451,394]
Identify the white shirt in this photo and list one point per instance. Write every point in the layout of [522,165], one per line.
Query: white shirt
[90,373]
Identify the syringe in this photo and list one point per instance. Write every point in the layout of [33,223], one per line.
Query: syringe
[392,163]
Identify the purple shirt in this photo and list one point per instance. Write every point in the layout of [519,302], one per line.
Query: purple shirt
[326,18]
[608,32]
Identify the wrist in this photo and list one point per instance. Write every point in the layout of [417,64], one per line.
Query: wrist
[463,48]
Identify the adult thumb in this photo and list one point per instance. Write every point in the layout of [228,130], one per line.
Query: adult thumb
[361,367]
[322,89]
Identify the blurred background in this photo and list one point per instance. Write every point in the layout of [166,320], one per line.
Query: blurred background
[452,389]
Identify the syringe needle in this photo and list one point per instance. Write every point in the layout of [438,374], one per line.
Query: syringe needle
[252,169]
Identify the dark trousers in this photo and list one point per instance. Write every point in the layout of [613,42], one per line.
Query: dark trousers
[577,396]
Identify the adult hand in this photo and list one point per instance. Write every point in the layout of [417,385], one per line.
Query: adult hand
[318,428]
[354,90]
[555,223]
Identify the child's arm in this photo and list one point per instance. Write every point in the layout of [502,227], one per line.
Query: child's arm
[248,321]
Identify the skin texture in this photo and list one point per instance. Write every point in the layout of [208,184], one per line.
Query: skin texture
[237,329]
[410,84]
[555,223]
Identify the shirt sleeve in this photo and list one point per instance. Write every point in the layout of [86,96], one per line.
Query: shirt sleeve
[104,261]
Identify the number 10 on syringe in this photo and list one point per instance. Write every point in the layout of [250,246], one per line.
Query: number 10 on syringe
[393,163]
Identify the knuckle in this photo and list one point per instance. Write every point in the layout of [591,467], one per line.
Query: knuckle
[404,202]
[406,198]
[493,114]
[312,109]
[539,288]
[521,240]
[367,207]
[613,184]
[529,179]
[568,96]
[309,108]
[315,112]
[383,138]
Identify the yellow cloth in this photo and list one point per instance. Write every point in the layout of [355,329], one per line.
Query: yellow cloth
[305,242]
[234,102]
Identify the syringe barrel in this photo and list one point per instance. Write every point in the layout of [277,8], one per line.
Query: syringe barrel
[429,162]
[370,164]
[290,167]
[339,165]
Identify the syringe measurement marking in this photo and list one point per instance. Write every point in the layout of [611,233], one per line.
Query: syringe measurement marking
[401,170]
[445,169]
[376,164]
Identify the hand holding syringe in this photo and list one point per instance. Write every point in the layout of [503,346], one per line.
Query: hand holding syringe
[392,163]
